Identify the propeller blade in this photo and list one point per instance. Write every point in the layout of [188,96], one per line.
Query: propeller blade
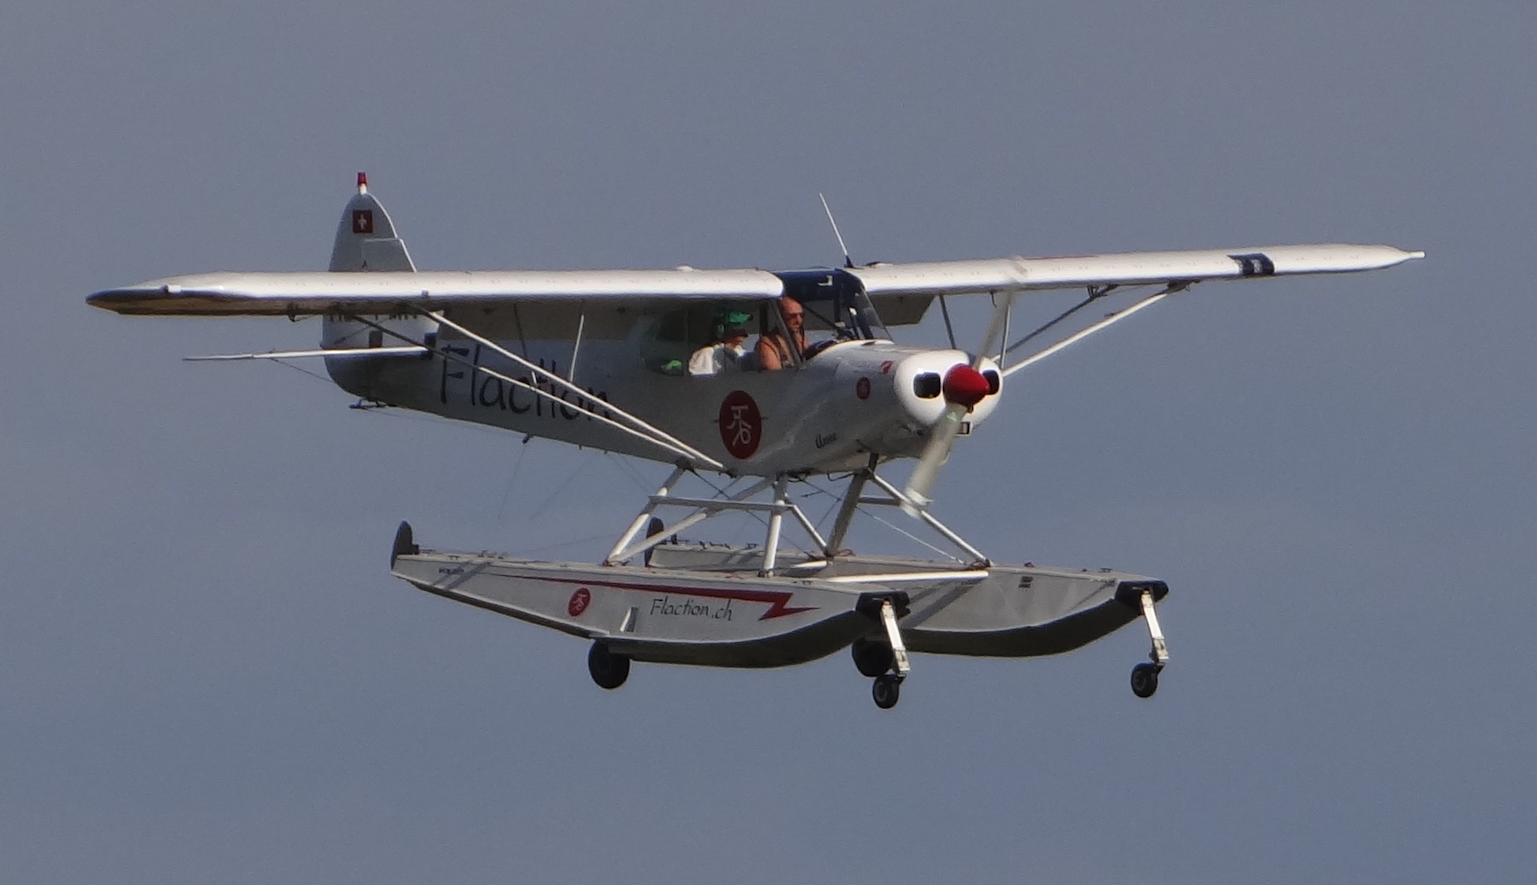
[936,452]
[941,439]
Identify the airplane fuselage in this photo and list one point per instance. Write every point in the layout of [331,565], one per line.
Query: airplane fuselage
[829,414]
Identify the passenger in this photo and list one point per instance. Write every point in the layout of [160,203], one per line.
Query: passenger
[774,350]
[725,353]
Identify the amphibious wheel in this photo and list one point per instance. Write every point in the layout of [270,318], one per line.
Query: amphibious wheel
[887,690]
[1144,680]
[608,669]
[871,656]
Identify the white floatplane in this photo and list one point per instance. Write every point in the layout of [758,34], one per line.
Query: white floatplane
[656,364]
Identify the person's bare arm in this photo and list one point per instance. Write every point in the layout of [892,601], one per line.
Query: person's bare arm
[768,355]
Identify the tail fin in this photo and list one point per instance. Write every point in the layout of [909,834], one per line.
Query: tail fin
[365,238]
[366,241]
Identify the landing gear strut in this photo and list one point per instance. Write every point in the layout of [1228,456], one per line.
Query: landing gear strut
[1144,676]
[886,661]
[608,668]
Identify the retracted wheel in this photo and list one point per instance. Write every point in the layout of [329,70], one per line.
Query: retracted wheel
[608,669]
[1144,680]
[887,690]
[872,656]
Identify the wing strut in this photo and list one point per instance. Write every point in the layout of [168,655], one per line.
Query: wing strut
[1095,292]
[949,329]
[637,423]
[576,346]
[641,430]
[1103,324]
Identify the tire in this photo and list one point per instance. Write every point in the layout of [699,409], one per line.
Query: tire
[609,670]
[872,657]
[1144,680]
[887,690]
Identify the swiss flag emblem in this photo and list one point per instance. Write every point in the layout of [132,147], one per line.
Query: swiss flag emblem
[362,221]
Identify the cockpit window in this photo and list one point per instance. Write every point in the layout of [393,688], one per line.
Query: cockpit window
[835,302]
[835,307]
[675,336]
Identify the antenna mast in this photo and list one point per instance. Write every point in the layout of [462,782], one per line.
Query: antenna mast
[847,261]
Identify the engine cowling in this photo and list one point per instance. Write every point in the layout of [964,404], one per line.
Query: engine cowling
[927,383]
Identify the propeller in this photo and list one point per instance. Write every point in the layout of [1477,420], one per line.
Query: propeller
[963,387]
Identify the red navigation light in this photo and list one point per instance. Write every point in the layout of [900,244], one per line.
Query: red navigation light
[362,182]
[965,386]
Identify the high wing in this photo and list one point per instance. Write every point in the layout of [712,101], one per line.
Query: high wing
[306,294]
[1121,269]
[310,294]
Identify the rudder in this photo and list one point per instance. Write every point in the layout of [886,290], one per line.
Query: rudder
[365,237]
[366,242]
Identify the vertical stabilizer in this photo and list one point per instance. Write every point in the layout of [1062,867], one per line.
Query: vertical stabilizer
[366,241]
[365,238]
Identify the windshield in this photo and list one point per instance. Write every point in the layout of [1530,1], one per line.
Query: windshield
[835,302]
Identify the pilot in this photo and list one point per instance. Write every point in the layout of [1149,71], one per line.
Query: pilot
[725,353]
[774,350]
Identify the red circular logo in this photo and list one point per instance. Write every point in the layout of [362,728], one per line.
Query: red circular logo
[862,388]
[741,425]
[579,602]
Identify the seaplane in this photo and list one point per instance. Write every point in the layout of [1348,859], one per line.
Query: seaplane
[656,364]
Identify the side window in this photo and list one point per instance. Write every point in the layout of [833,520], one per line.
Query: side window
[674,336]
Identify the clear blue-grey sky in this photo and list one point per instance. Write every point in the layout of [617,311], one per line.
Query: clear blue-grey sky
[207,674]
